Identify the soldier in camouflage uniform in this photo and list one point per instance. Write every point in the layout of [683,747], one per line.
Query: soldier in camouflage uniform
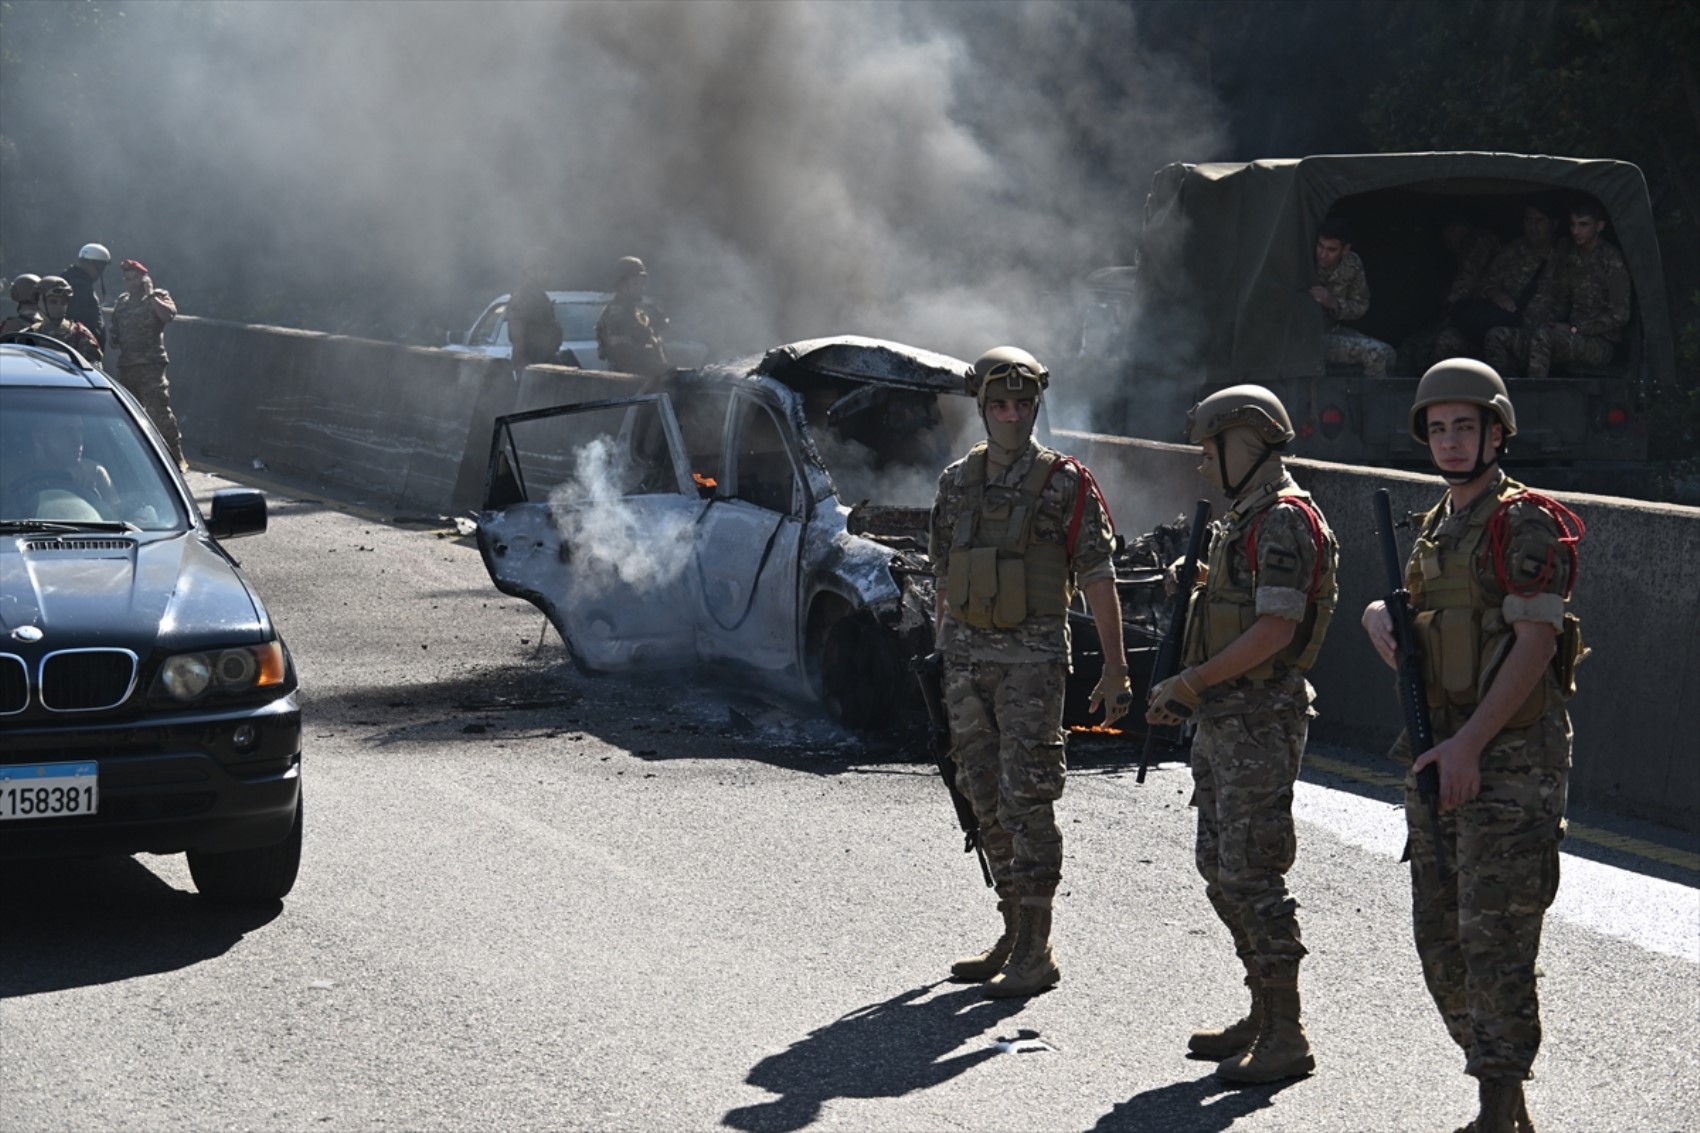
[1015,529]
[138,331]
[24,290]
[53,295]
[1472,251]
[1254,626]
[1343,293]
[1518,282]
[1589,305]
[1490,578]
[628,332]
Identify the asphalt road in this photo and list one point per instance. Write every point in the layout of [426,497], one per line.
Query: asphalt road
[535,900]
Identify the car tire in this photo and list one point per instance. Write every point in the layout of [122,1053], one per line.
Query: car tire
[860,671]
[259,876]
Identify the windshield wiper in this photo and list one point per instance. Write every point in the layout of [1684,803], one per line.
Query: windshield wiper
[19,526]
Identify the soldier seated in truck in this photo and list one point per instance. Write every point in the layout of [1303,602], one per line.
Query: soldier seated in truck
[1585,312]
[1340,288]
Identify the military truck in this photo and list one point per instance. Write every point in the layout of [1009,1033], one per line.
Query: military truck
[1218,295]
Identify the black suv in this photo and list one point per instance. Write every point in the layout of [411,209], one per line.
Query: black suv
[147,703]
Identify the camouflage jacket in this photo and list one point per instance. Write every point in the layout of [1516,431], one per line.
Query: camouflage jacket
[1346,282]
[12,324]
[1514,268]
[1470,278]
[628,337]
[1037,638]
[1592,291]
[73,334]
[138,333]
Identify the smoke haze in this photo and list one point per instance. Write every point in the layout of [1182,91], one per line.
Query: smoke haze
[932,173]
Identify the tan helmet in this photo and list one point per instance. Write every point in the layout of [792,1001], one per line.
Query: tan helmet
[1007,368]
[627,266]
[1240,405]
[1466,380]
[24,288]
[51,285]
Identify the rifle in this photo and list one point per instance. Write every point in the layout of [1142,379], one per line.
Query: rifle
[1413,695]
[1169,652]
[929,671]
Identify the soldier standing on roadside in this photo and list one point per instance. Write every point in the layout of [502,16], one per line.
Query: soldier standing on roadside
[24,290]
[1255,625]
[1589,305]
[628,333]
[534,334]
[85,276]
[1343,293]
[1016,528]
[53,295]
[1490,578]
[138,331]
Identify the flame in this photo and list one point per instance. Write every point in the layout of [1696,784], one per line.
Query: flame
[1096,729]
[704,481]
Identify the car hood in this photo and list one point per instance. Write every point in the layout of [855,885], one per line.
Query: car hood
[871,360]
[122,591]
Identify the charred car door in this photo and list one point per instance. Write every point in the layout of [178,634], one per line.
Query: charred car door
[749,542]
[590,513]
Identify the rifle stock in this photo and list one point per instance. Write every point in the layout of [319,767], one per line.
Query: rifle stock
[1169,652]
[1413,694]
[929,671]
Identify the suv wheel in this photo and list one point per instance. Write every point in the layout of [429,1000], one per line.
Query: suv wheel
[250,877]
[859,674]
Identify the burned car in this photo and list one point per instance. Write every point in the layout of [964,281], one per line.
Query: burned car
[766,516]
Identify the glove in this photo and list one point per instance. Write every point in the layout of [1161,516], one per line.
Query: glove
[1173,701]
[1112,691]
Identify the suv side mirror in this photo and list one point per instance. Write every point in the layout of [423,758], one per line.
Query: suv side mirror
[236,512]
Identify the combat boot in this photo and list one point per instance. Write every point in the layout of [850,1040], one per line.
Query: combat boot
[1031,968]
[1281,1050]
[1235,1037]
[978,969]
[1502,1108]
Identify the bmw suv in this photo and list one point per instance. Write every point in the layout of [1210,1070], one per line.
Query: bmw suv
[147,702]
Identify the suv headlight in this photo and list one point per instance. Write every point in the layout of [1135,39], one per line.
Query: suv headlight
[187,677]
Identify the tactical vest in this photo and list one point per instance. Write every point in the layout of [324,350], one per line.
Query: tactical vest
[1463,633]
[1224,609]
[999,574]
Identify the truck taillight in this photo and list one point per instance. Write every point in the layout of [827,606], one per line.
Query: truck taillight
[1616,418]
[1332,421]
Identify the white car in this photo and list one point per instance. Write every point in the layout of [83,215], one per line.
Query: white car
[577,312]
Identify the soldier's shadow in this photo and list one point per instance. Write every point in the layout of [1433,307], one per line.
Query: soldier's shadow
[883,1050]
[1205,1105]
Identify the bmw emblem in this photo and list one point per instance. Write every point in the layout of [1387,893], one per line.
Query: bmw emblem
[27,633]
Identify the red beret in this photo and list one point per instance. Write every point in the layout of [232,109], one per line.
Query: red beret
[133,265]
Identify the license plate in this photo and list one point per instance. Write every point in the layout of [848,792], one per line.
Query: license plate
[49,790]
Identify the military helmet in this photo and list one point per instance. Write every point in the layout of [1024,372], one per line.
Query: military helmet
[1240,405]
[52,285]
[1466,380]
[627,266]
[1009,365]
[24,288]
[95,252]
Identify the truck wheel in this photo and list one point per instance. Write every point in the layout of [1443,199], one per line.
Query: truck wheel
[250,877]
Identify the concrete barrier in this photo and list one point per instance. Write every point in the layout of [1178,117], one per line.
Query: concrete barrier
[1637,706]
[408,429]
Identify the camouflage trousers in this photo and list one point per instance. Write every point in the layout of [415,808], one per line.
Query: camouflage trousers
[1243,770]
[1534,350]
[1343,344]
[1007,736]
[147,382]
[1478,930]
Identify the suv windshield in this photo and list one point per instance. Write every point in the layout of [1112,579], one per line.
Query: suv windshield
[72,456]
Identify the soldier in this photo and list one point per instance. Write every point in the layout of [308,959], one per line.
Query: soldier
[24,289]
[138,331]
[1016,527]
[84,276]
[1343,293]
[628,333]
[1490,579]
[533,330]
[1513,292]
[54,296]
[1472,250]
[1589,305]
[1255,625]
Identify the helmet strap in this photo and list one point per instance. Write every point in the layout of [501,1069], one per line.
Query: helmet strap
[1234,488]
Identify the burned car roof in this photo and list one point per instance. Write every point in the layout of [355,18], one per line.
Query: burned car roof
[870,360]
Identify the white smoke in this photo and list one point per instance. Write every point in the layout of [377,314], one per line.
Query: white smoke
[616,541]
